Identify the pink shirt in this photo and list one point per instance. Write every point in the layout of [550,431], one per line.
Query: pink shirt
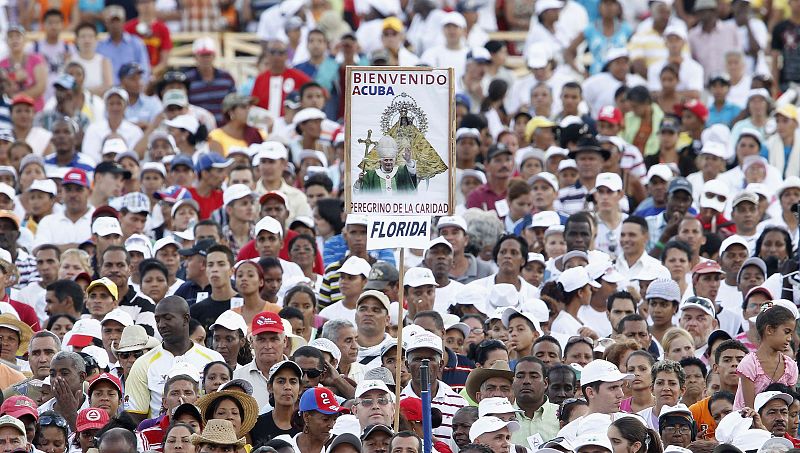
[750,368]
[31,61]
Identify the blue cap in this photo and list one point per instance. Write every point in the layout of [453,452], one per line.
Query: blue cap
[65,81]
[129,69]
[320,399]
[462,98]
[181,159]
[211,160]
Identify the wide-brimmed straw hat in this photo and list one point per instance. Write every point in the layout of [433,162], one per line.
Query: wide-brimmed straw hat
[249,408]
[218,432]
[9,321]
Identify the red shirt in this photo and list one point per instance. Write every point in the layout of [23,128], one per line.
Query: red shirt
[249,251]
[207,204]
[484,198]
[794,441]
[292,81]
[158,40]
[26,313]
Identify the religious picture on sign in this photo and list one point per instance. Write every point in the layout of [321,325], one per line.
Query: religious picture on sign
[399,141]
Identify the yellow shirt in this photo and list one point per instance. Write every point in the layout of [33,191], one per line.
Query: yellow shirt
[226,141]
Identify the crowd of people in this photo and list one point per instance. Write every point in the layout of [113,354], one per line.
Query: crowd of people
[619,273]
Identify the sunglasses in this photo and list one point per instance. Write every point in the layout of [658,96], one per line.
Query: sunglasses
[48,420]
[577,339]
[702,301]
[312,373]
[127,355]
[711,196]
[276,51]
[369,402]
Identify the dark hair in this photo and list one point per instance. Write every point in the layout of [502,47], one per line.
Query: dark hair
[639,221]
[67,288]
[729,344]
[473,120]
[178,425]
[299,289]
[208,222]
[578,217]
[303,237]
[52,247]
[475,448]
[434,315]
[318,179]
[208,367]
[783,388]
[405,434]
[639,94]
[633,317]
[291,313]
[712,245]
[635,431]
[689,361]
[52,320]
[773,317]
[199,136]
[309,351]
[568,405]
[83,25]
[561,368]
[678,245]
[224,249]
[52,12]
[497,91]
[721,395]
[548,339]
[671,68]
[309,85]
[318,32]
[787,240]
[619,295]
[118,248]
[479,352]
[212,407]
[269,263]
[330,210]
[194,324]
[153,264]
[37,439]
[523,247]
[641,353]
[120,427]
[576,341]
[531,359]
[573,86]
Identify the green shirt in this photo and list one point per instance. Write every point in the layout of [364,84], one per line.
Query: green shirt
[544,423]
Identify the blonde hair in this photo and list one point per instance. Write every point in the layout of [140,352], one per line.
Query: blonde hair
[82,257]
[673,334]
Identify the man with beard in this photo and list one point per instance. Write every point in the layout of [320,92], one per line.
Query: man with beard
[116,266]
[706,278]
[697,316]
[439,259]
[773,409]
[146,380]
[538,414]
[72,227]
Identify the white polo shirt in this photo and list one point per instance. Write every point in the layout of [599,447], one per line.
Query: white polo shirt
[145,384]
[57,229]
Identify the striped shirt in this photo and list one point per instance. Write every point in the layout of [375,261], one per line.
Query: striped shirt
[26,265]
[572,199]
[446,400]
[209,95]
[5,112]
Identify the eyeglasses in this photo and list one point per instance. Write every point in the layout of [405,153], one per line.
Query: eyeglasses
[127,355]
[682,430]
[476,330]
[313,373]
[57,420]
[702,301]
[276,51]
[711,196]
[369,402]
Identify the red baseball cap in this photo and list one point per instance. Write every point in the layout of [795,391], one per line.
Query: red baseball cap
[22,99]
[412,409]
[707,267]
[272,194]
[694,106]
[107,377]
[267,321]
[91,418]
[320,399]
[76,176]
[19,405]
[610,114]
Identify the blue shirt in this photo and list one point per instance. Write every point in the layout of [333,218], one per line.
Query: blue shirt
[5,112]
[335,249]
[78,161]
[143,110]
[725,115]
[599,44]
[129,49]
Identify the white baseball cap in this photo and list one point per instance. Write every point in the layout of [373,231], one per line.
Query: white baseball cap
[555,151]
[490,424]
[42,185]
[438,241]
[468,132]
[235,192]
[567,163]
[503,295]
[460,326]
[679,408]
[355,266]
[547,177]
[599,370]
[714,187]
[371,384]
[496,405]
[419,276]
[356,219]
[675,30]
[424,340]
[269,224]
[165,241]
[270,150]
[186,122]
[545,219]
[9,191]
[103,226]
[139,243]
[765,397]
[325,345]
[594,439]
[663,171]
[698,303]
[509,312]
[791,182]
[715,149]
[119,315]
[534,257]
[612,181]
[454,18]
[576,278]
[114,146]
[731,240]
[452,220]
[232,321]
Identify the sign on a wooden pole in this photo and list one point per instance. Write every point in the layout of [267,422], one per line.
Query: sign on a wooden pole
[400,141]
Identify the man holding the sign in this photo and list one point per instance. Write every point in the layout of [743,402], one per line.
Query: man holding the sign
[390,177]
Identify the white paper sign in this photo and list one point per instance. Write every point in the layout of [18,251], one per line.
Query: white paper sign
[388,232]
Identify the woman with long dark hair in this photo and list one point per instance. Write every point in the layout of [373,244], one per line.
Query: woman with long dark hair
[630,435]
[575,287]
[774,246]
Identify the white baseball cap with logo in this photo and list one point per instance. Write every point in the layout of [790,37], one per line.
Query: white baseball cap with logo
[371,384]
[496,405]
[419,276]
[104,226]
[236,192]
[592,439]
[599,370]
[611,181]
[490,424]
[355,266]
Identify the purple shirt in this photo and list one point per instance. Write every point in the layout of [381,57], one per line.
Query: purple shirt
[484,197]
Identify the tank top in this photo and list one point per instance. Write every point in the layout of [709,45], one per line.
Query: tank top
[93,68]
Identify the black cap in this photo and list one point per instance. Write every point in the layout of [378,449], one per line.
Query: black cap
[587,143]
[496,150]
[381,274]
[680,183]
[670,123]
[112,167]
[187,408]
[726,448]
[345,438]
[718,335]
[369,429]
[199,248]
[720,78]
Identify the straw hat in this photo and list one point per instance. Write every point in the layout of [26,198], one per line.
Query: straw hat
[249,408]
[10,321]
[135,338]
[218,432]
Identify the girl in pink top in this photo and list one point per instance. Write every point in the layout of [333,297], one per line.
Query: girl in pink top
[768,364]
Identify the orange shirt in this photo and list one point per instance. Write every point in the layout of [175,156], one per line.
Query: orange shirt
[65,6]
[9,376]
[705,422]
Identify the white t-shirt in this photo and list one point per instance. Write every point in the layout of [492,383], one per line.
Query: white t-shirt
[690,74]
[446,296]
[596,320]
[58,229]
[442,57]
[97,132]
[566,324]
[34,295]
[339,311]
